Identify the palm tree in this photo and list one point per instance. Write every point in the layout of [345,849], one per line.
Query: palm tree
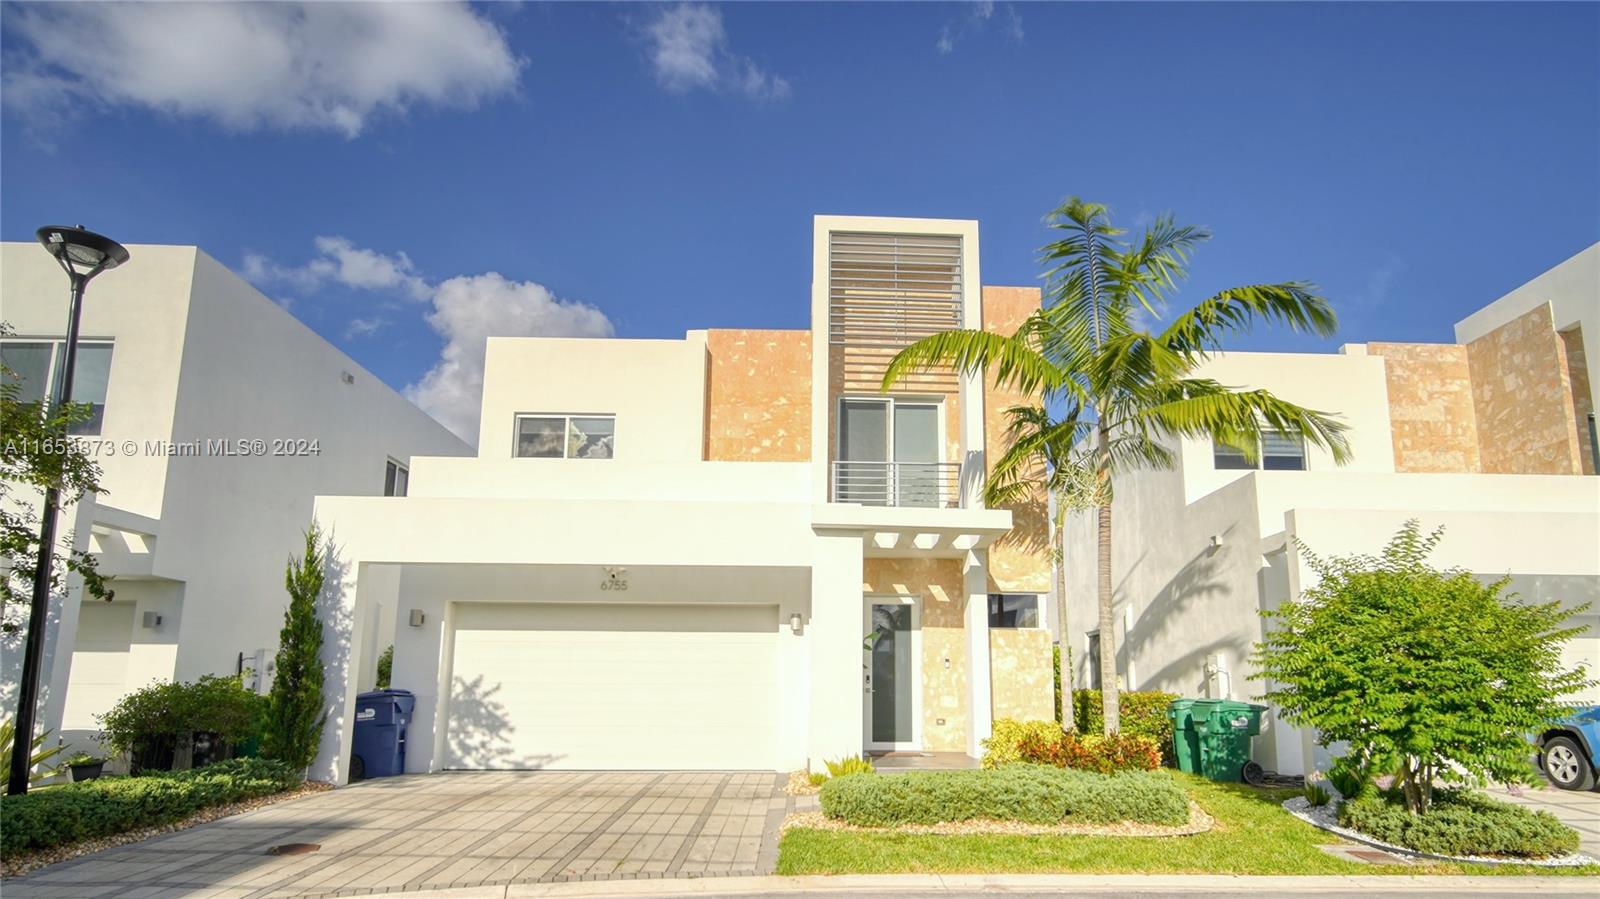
[1116,386]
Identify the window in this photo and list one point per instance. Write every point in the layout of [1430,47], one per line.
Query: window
[396,478]
[1091,659]
[1277,452]
[35,364]
[1013,610]
[566,436]
[890,451]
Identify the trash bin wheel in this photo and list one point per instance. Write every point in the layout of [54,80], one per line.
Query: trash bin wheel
[358,768]
[1253,774]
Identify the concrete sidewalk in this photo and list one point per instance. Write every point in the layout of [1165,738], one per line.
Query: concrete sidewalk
[1035,884]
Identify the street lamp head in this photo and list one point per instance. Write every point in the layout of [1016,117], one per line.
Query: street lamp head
[82,253]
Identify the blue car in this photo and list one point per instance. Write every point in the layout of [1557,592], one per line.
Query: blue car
[1569,750]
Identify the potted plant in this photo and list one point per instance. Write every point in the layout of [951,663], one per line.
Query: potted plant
[85,766]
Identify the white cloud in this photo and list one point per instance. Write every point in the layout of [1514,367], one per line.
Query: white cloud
[465,312]
[469,309]
[318,66]
[689,50]
[341,262]
[977,20]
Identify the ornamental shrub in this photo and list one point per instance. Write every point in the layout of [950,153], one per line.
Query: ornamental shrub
[295,711]
[1043,743]
[68,813]
[151,722]
[1460,823]
[1427,673]
[1035,794]
[1144,714]
[850,764]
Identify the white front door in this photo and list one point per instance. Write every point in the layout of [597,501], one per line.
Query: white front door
[563,685]
[892,674]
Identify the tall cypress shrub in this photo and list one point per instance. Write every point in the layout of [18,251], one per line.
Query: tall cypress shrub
[295,712]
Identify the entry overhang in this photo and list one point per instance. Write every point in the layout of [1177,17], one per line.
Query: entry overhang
[890,531]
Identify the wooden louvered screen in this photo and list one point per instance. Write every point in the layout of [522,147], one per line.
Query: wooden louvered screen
[885,292]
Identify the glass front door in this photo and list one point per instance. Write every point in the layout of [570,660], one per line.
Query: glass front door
[891,675]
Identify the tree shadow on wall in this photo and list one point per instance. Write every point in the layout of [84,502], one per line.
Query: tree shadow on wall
[478,731]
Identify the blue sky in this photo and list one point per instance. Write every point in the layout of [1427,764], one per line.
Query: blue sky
[642,170]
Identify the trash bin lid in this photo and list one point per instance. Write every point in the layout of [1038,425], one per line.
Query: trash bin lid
[380,694]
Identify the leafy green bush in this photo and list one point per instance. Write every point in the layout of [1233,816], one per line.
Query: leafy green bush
[1036,794]
[1349,777]
[1430,674]
[385,667]
[55,816]
[1043,743]
[169,714]
[1460,823]
[849,765]
[1144,714]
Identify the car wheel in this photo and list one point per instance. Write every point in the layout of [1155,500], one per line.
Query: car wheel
[358,769]
[1565,764]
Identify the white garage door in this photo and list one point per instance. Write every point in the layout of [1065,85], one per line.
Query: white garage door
[555,685]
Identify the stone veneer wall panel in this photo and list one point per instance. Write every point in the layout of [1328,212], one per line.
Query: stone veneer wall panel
[1434,424]
[1582,397]
[1022,681]
[1523,398]
[940,585]
[758,396]
[1020,561]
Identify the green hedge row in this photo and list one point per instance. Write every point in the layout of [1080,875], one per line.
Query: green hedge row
[1144,714]
[58,815]
[1461,823]
[1036,794]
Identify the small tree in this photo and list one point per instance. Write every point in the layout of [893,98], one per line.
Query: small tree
[385,668]
[1431,674]
[295,712]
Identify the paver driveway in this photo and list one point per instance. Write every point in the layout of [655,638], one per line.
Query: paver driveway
[443,830]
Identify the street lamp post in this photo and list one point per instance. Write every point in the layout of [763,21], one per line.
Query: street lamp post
[82,255]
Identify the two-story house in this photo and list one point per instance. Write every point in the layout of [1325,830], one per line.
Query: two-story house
[1491,437]
[218,416]
[730,550]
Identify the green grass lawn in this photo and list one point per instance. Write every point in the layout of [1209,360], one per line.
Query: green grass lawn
[1253,835]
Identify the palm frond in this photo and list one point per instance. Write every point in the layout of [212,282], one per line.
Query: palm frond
[1233,311]
[1201,407]
[970,351]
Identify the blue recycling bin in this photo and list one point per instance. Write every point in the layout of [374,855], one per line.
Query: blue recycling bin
[378,748]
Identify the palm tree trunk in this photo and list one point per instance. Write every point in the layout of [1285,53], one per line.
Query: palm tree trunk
[1068,723]
[1110,701]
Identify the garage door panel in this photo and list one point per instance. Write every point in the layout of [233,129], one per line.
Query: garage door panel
[607,686]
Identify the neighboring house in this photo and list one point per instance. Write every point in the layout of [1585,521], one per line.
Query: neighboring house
[1491,437]
[178,355]
[726,551]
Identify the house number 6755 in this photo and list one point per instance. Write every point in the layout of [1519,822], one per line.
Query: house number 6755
[615,579]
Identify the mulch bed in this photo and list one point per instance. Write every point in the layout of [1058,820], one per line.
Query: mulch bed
[1199,822]
[23,862]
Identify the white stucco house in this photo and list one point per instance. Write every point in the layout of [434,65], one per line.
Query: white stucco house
[729,550]
[1491,437]
[180,356]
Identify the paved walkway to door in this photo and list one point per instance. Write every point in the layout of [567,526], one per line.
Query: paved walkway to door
[451,830]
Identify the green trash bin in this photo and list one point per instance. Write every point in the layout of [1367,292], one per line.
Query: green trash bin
[1224,737]
[1185,714]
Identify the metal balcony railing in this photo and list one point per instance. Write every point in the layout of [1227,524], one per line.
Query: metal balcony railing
[929,485]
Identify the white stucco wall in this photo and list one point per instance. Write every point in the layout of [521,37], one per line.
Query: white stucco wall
[656,389]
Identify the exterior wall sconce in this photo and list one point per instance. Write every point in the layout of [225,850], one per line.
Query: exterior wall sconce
[152,620]
[794,623]
[417,618]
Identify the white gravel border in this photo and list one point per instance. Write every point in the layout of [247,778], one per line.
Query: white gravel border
[1324,817]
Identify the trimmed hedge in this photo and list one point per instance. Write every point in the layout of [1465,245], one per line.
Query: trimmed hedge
[1461,823]
[1036,794]
[58,815]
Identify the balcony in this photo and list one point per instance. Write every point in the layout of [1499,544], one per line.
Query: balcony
[923,485]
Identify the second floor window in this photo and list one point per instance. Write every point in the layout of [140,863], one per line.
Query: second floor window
[1277,452]
[565,436]
[35,365]
[396,478]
